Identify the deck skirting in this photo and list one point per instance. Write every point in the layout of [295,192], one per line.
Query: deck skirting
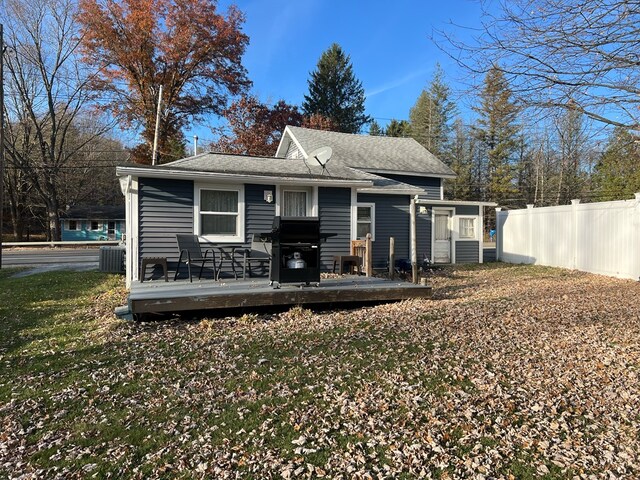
[161,297]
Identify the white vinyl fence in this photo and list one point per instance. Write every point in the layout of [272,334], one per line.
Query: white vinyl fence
[601,237]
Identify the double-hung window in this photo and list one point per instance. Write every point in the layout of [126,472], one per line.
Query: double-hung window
[365,220]
[219,213]
[94,225]
[295,203]
[72,225]
[467,228]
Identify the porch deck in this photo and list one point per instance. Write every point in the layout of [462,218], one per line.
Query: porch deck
[164,297]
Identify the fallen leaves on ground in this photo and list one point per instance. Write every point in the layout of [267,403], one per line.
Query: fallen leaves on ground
[508,372]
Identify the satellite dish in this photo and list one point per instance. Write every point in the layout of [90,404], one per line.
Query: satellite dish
[322,155]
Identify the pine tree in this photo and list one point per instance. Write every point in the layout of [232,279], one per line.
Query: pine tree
[431,116]
[497,131]
[336,93]
[572,141]
[398,128]
[617,174]
[462,153]
[375,129]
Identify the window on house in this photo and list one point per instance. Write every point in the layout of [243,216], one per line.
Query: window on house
[72,225]
[295,203]
[365,214]
[94,225]
[468,228]
[219,213]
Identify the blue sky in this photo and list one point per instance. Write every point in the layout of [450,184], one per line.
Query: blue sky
[388,43]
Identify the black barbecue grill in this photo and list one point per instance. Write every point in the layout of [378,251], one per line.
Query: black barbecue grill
[296,250]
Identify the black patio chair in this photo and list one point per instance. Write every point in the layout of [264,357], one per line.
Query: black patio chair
[190,252]
[258,254]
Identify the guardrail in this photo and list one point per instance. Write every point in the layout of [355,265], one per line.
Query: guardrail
[97,243]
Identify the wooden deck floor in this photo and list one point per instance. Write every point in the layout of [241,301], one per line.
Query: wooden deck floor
[163,297]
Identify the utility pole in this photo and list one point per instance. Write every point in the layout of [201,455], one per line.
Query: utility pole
[1,137]
[155,136]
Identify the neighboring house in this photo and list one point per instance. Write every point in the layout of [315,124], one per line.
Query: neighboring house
[366,187]
[93,223]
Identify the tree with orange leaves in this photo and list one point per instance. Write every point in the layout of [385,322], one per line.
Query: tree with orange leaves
[186,46]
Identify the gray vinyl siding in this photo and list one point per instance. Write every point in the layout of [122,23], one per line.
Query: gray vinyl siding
[258,213]
[392,220]
[165,207]
[292,151]
[467,251]
[335,217]
[430,184]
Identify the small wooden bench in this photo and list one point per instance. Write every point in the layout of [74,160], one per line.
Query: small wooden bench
[162,261]
[352,260]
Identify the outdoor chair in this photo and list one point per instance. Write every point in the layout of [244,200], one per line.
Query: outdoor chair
[258,254]
[359,249]
[190,252]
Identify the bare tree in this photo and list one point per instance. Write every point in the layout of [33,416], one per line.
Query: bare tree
[580,54]
[46,94]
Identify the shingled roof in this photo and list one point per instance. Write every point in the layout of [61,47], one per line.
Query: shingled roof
[269,166]
[367,152]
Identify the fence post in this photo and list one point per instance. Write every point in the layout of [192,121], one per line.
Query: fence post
[530,233]
[498,234]
[369,254]
[574,210]
[637,242]
[414,244]
[392,257]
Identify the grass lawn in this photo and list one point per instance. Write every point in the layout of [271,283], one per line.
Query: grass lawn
[508,372]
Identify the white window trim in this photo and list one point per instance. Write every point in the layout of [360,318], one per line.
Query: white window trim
[354,219]
[78,226]
[97,229]
[239,237]
[475,227]
[312,198]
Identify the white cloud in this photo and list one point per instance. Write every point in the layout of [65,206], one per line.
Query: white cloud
[395,83]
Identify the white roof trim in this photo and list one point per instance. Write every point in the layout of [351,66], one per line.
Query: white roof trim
[426,201]
[390,191]
[404,172]
[237,178]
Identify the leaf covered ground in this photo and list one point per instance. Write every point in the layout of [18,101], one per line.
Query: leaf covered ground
[508,372]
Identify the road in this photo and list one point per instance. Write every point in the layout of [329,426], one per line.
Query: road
[38,257]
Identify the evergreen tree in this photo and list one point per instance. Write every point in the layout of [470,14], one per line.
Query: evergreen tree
[462,153]
[398,128]
[431,116]
[497,131]
[572,143]
[375,129]
[336,93]
[617,174]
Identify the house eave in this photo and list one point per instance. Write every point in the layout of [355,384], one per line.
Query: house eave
[404,172]
[237,178]
[389,191]
[427,201]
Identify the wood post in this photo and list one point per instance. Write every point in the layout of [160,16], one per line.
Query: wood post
[392,257]
[368,263]
[414,242]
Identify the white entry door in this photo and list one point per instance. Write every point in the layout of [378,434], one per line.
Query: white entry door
[442,237]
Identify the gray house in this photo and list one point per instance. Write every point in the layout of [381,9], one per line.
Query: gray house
[366,187]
